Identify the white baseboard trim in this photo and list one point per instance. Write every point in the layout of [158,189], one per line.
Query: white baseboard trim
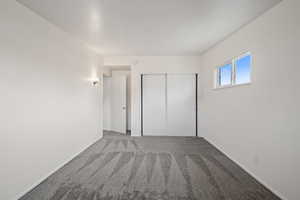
[55,170]
[249,172]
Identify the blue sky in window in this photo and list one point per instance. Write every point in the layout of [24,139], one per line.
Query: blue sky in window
[243,70]
[225,75]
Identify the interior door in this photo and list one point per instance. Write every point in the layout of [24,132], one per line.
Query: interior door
[154,104]
[169,105]
[181,104]
[118,104]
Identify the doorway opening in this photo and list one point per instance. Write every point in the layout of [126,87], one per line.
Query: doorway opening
[117,99]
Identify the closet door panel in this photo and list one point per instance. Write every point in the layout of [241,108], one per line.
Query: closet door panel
[181,105]
[154,105]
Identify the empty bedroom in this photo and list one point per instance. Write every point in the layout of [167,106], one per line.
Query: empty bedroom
[149,100]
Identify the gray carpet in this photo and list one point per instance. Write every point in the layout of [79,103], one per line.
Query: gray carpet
[150,168]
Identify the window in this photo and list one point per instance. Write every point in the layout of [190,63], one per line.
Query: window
[236,72]
[242,69]
[225,75]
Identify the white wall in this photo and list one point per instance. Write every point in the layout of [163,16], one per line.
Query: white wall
[107,103]
[49,109]
[150,64]
[258,125]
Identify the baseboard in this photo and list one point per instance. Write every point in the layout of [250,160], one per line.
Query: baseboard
[249,172]
[55,170]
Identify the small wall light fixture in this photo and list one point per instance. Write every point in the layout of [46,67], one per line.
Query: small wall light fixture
[95,81]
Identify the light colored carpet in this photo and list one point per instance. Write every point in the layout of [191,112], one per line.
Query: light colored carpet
[150,168]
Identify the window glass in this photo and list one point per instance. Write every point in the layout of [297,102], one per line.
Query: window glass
[225,75]
[242,70]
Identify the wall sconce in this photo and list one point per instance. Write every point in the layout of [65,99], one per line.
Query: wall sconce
[95,81]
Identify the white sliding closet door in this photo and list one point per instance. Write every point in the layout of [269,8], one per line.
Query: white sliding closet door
[154,105]
[181,104]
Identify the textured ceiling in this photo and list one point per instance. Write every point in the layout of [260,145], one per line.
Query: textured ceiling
[150,27]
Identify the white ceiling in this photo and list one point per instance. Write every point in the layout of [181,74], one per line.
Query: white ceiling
[150,27]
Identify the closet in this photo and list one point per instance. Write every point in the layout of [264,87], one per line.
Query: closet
[169,105]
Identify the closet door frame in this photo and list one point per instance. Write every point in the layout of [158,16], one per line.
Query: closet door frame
[142,100]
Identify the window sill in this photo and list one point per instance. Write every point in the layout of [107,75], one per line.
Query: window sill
[231,86]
